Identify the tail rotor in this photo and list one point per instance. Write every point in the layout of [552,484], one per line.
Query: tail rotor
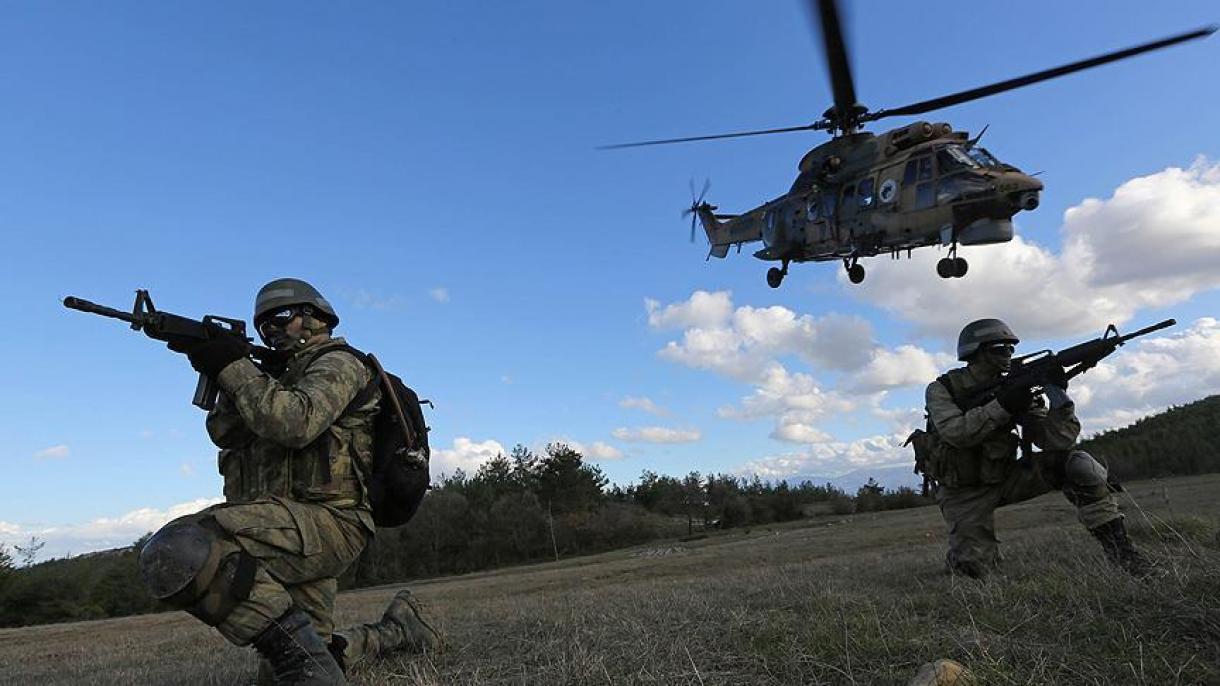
[696,204]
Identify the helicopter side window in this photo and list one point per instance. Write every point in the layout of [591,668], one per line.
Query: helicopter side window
[925,168]
[864,193]
[925,196]
[908,174]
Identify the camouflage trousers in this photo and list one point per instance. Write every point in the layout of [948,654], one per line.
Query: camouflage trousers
[301,549]
[969,511]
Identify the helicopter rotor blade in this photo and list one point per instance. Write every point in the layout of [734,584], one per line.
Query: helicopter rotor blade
[667,141]
[841,83]
[1036,77]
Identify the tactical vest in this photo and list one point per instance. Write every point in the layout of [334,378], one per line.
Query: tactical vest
[329,470]
[984,464]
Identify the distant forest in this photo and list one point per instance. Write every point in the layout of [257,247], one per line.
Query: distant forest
[526,507]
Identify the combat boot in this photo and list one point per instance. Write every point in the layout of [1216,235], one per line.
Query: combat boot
[418,635]
[1120,551]
[296,654]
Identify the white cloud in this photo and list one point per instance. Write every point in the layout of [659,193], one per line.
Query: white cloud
[702,310]
[439,294]
[187,469]
[465,454]
[656,434]
[907,365]
[102,533]
[596,450]
[1155,242]
[55,452]
[645,404]
[363,299]
[748,343]
[833,456]
[743,343]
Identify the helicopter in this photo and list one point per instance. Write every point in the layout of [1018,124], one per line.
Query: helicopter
[863,194]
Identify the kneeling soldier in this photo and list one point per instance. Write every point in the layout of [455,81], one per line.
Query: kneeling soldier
[975,457]
[296,445]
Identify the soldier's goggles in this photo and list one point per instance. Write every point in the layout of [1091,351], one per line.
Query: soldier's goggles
[1000,348]
[277,319]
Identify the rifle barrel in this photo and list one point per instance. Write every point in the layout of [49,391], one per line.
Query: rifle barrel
[1149,329]
[83,305]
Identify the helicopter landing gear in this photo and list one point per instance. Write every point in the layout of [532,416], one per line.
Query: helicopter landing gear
[855,270]
[952,267]
[775,275]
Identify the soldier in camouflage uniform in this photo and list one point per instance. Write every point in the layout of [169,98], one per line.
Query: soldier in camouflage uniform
[975,459]
[296,441]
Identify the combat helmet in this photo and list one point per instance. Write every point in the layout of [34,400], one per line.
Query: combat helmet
[282,293]
[981,332]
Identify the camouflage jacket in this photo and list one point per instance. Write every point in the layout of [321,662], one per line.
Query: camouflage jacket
[297,437]
[978,445]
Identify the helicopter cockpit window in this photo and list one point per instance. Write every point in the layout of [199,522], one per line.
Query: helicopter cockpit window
[864,192]
[925,168]
[982,157]
[951,158]
[828,205]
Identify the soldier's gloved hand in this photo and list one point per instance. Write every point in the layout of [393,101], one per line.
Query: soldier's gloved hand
[1056,396]
[1057,376]
[1016,399]
[183,344]
[211,356]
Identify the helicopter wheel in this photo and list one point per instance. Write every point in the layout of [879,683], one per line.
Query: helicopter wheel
[959,267]
[855,273]
[775,276]
[945,268]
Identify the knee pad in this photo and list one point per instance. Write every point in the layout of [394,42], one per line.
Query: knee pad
[186,566]
[1084,471]
[179,560]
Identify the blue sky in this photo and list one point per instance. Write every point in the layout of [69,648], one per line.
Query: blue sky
[432,170]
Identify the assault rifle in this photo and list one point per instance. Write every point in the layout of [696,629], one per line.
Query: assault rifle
[1036,370]
[164,326]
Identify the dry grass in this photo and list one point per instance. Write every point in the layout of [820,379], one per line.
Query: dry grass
[842,600]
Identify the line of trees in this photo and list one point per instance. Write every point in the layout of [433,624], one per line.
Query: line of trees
[527,506]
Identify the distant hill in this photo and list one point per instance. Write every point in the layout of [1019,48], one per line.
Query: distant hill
[1182,440]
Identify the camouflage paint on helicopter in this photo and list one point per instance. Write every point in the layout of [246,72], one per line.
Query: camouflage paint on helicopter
[861,195]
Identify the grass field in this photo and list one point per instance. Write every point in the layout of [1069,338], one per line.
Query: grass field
[834,600]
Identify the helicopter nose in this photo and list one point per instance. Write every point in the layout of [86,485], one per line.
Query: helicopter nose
[1024,191]
[1027,201]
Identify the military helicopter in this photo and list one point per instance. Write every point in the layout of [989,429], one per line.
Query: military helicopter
[861,194]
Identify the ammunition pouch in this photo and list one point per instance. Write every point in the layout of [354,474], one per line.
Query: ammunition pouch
[982,465]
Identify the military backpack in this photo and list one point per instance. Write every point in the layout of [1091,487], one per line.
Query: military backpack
[399,477]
